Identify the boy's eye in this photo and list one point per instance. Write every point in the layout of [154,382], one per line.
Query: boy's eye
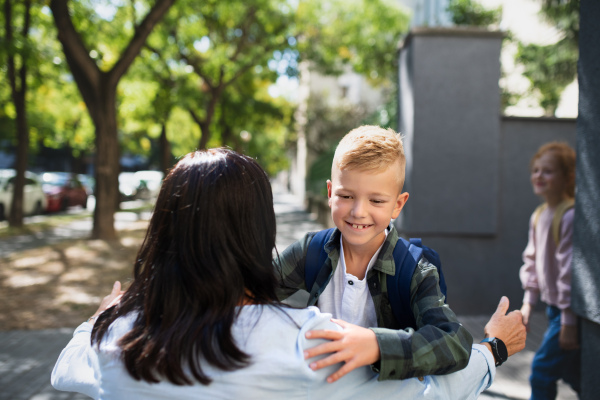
[378,201]
[345,196]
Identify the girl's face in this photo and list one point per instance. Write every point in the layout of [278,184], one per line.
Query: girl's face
[547,178]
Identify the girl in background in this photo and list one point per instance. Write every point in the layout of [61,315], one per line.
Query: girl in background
[546,272]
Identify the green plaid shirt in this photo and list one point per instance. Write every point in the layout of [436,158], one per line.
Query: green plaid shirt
[440,345]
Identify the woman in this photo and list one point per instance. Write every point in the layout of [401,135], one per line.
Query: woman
[201,318]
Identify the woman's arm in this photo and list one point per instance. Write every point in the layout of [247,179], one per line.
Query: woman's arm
[77,368]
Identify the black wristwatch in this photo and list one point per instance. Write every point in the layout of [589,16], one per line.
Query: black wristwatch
[498,350]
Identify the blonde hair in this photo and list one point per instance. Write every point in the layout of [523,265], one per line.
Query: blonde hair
[565,158]
[370,148]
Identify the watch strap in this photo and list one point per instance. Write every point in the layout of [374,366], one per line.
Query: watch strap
[498,349]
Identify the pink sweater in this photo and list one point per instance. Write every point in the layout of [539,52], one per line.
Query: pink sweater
[546,271]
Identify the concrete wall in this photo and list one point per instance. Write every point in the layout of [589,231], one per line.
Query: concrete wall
[468,167]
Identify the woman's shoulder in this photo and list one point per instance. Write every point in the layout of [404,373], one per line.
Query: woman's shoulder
[116,331]
[270,314]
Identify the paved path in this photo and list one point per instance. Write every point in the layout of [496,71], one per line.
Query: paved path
[27,357]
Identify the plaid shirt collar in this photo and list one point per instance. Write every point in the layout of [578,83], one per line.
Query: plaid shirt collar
[385,260]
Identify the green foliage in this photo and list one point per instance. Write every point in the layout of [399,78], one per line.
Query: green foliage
[319,172]
[471,13]
[564,15]
[245,44]
[325,127]
[361,33]
[551,68]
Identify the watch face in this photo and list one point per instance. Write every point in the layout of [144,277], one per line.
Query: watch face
[502,352]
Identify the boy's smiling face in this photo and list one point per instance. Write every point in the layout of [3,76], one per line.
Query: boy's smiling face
[363,203]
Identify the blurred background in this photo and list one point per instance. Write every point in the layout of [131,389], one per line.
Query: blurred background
[99,98]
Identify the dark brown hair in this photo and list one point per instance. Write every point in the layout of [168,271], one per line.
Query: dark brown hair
[208,247]
[565,158]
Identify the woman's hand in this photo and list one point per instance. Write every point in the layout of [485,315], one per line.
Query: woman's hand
[113,298]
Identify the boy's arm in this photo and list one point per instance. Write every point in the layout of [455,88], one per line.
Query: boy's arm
[289,268]
[440,345]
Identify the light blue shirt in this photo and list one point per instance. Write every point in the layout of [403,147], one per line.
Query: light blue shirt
[275,342]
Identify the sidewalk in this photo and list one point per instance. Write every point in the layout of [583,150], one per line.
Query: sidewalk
[27,357]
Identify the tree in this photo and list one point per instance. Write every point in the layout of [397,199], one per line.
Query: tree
[220,42]
[98,88]
[359,33]
[336,36]
[552,67]
[18,54]
[471,13]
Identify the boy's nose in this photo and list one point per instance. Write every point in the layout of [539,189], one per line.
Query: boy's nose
[359,209]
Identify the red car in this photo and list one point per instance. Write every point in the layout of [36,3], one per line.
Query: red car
[63,190]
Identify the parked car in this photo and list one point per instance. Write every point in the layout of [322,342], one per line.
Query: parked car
[34,200]
[63,190]
[149,184]
[88,183]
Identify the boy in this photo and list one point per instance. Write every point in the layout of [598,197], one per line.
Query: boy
[365,193]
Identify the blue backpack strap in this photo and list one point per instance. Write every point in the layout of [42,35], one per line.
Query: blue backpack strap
[406,257]
[315,257]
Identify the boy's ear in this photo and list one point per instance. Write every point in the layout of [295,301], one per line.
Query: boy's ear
[400,202]
[329,191]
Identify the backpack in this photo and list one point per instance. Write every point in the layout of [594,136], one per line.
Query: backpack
[560,211]
[406,256]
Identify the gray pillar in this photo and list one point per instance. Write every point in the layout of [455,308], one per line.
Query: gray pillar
[586,241]
[449,116]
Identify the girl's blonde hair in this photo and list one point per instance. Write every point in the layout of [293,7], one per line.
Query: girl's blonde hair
[565,157]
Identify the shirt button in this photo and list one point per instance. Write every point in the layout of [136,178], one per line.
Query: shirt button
[350,282]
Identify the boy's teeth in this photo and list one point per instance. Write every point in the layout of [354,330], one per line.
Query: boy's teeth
[358,226]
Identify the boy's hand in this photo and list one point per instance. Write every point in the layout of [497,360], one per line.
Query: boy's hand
[355,346]
[567,338]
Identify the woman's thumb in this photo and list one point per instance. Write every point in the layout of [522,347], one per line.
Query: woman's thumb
[503,306]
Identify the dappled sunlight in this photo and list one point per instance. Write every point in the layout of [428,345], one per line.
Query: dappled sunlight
[34,261]
[61,285]
[20,280]
[78,275]
[81,254]
[99,245]
[77,295]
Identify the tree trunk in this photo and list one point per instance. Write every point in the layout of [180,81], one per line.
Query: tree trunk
[166,161]
[107,164]
[98,90]
[215,96]
[15,218]
[18,87]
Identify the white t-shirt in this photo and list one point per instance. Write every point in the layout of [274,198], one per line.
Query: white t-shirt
[348,298]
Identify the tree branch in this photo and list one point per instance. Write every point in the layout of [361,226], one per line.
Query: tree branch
[251,63]
[135,45]
[196,63]
[75,52]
